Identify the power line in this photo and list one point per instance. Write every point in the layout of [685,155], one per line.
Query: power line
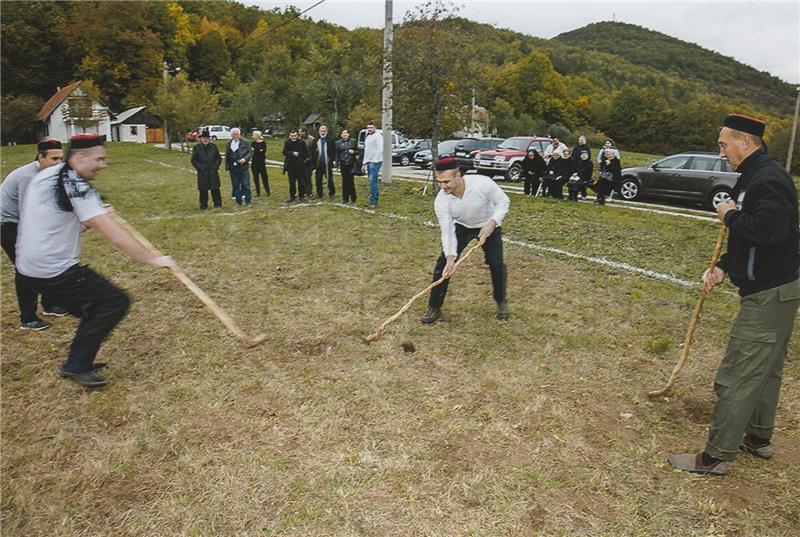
[287,21]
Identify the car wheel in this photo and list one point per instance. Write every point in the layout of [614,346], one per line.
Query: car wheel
[629,189]
[213,138]
[718,196]
[404,160]
[514,173]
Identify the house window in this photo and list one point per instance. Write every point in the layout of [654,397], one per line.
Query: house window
[134,130]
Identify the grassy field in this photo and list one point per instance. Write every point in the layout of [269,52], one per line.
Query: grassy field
[539,426]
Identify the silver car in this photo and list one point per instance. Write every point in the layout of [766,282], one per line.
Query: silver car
[693,176]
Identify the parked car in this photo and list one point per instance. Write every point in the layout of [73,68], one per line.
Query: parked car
[694,176]
[193,136]
[217,132]
[445,149]
[404,154]
[397,139]
[469,147]
[506,160]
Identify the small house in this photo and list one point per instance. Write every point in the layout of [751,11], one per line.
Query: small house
[137,125]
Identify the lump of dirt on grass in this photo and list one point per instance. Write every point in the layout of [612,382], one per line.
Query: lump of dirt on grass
[409,347]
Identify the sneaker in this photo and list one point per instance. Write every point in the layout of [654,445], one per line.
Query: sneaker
[693,463]
[371,206]
[249,205]
[764,451]
[88,379]
[432,315]
[502,311]
[37,325]
[55,311]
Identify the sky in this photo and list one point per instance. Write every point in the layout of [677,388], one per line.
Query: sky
[762,34]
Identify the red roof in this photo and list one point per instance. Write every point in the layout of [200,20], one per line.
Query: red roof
[53,102]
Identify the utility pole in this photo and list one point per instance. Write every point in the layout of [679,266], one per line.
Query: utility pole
[472,114]
[167,142]
[790,149]
[386,105]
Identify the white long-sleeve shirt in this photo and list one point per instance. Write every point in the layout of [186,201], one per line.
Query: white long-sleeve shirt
[373,147]
[482,201]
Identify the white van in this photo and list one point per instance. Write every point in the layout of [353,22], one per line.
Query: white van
[397,138]
[217,132]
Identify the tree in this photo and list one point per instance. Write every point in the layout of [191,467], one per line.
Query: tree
[18,118]
[209,59]
[185,104]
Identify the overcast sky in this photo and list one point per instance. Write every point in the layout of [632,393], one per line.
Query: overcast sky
[762,34]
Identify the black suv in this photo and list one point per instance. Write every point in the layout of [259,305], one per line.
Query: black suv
[704,178]
[468,149]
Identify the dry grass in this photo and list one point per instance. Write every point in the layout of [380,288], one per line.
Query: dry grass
[537,426]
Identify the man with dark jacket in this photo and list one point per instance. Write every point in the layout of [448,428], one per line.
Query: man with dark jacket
[346,154]
[238,153]
[206,160]
[763,261]
[309,164]
[295,153]
[324,159]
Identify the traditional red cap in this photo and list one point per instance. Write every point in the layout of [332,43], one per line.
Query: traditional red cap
[747,124]
[445,163]
[46,145]
[85,141]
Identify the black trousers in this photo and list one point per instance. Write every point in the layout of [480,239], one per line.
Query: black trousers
[27,298]
[602,188]
[556,189]
[492,254]
[321,172]
[260,170]
[215,196]
[531,184]
[307,188]
[296,183]
[100,304]
[348,184]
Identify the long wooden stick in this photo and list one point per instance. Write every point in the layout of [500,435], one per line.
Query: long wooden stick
[693,323]
[221,314]
[378,333]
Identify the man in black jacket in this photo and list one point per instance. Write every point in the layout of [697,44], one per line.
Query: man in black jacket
[295,153]
[324,159]
[206,160]
[763,261]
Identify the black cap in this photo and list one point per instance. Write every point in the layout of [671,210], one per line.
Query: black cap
[747,124]
[46,145]
[446,163]
[85,141]
[205,134]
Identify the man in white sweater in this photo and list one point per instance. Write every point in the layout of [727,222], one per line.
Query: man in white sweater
[373,159]
[468,207]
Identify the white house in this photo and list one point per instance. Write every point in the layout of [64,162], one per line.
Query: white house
[137,125]
[54,120]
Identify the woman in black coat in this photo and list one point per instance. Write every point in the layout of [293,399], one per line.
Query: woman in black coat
[610,176]
[206,160]
[581,176]
[533,166]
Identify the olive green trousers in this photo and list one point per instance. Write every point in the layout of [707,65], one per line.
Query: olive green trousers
[748,381]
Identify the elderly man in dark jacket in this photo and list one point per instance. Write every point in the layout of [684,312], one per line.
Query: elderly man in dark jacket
[238,153]
[206,160]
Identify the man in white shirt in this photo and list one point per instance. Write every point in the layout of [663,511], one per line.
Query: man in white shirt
[57,205]
[48,153]
[373,159]
[468,207]
[555,147]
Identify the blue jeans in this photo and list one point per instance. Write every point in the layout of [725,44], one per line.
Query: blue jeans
[240,181]
[373,169]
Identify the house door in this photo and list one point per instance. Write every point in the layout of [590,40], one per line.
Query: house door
[155,136]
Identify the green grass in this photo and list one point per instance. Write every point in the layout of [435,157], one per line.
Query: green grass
[537,426]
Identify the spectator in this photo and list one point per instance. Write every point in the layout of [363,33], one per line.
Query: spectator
[324,159]
[373,159]
[533,167]
[295,153]
[610,175]
[238,153]
[48,153]
[581,176]
[607,144]
[206,160]
[346,152]
[259,163]
[306,188]
[553,182]
[555,147]
[578,150]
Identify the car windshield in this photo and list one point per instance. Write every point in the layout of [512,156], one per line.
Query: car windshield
[448,146]
[514,143]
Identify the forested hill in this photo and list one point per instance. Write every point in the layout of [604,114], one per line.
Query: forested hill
[719,74]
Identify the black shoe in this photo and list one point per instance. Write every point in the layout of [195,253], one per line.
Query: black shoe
[98,366]
[432,315]
[502,311]
[290,200]
[88,379]
[55,311]
[36,325]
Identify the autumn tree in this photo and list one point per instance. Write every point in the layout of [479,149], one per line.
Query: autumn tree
[185,104]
